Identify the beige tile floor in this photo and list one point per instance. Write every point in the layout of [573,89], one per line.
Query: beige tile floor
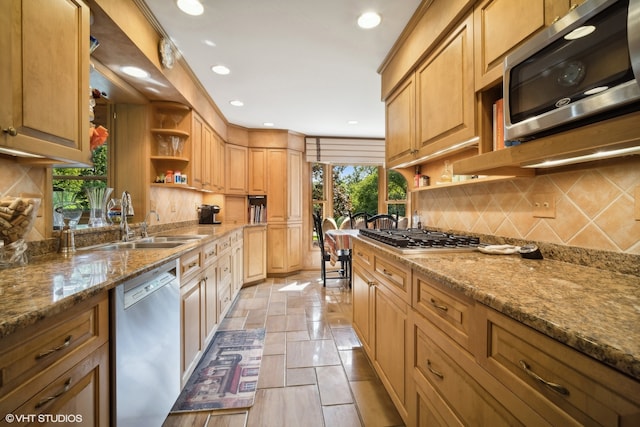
[314,372]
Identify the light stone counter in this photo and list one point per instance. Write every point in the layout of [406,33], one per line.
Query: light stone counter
[51,283]
[596,312]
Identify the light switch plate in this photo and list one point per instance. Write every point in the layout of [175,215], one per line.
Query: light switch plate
[544,205]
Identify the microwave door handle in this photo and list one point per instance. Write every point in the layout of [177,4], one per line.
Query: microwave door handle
[633,35]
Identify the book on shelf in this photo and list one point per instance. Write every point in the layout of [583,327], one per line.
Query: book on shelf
[257,209]
[498,125]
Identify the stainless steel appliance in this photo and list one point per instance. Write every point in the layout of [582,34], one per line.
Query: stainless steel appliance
[583,68]
[417,241]
[146,355]
[208,214]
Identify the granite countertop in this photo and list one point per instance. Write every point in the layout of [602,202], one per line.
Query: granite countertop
[596,312]
[49,284]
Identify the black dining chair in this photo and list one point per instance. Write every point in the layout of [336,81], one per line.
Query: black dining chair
[382,222]
[342,256]
[358,219]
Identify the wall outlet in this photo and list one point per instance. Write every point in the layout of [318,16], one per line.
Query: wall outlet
[544,205]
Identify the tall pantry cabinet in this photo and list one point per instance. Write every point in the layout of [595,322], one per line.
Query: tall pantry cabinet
[282,174]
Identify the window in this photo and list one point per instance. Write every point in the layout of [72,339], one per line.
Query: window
[357,189]
[69,198]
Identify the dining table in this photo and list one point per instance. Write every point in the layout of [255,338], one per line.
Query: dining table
[339,240]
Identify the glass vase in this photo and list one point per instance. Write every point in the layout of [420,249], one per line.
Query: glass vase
[98,198]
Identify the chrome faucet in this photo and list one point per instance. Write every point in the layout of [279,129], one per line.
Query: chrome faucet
[127,211]
[144,224]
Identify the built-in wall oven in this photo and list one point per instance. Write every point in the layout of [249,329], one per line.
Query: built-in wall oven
[583,68]
[146,348]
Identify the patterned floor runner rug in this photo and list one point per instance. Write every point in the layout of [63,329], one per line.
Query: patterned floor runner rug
[227,375]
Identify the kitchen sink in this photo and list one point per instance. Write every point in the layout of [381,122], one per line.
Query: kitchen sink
[175,238]
[143,244]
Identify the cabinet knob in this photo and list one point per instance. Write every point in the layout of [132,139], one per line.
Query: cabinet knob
[11,131]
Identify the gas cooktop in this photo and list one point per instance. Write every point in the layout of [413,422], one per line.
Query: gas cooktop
[416,241]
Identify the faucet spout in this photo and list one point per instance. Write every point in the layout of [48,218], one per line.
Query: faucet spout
[144,224]
[127,210]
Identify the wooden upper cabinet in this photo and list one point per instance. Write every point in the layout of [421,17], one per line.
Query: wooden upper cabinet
[500,25]
[257,171]
[217,163]
[400,126]
[197,141]
[237,169]
[44,78]
[445,93]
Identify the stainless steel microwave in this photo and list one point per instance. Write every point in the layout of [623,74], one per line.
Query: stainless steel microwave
[583,68]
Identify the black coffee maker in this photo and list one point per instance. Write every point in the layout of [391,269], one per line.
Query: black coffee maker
[207,214]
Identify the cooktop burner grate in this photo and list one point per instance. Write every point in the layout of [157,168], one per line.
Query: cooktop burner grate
[413,240]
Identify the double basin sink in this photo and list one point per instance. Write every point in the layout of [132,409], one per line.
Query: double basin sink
[154,242]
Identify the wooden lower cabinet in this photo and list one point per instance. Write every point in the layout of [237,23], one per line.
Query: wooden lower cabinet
[380,318]
[255,253]
[192,328]
[284,248]
[59,366]
[563,385]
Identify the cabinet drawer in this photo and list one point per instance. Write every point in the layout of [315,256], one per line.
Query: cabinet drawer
[555,378]
[472,401]
[190,264]
[395,276]
[224,300]
[70,337]
[224,244]
[450,311]
[362,254]
[210,252]
[224,269]
[81,392]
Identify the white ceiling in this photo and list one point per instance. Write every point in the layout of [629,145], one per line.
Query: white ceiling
[303,65]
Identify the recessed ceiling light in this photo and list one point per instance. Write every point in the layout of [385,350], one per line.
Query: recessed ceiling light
[352,122]
[369,20]
[236,103]
[220,69]
[190,7]
[209,42]
[135,72]
[269,124]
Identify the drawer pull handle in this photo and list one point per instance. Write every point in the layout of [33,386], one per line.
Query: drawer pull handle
[193,264]
[438,306]
[64,345]
[553,386]
[371,283]
[384,270]
[360,254]
[433,371]
[67,386]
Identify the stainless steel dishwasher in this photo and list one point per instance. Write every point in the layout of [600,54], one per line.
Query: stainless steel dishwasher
[146,350]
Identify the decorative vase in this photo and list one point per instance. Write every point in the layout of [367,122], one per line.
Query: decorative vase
[98,198]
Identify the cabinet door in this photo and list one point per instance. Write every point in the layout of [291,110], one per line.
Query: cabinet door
[255,254]
[209,282]
[44,78]
[391,328]
[237,167]
[277,185]
[500,25]
[196,163]
[362,307]
[401,123]
[294,188]
[257,171]
[218,166]
[445,93]
[294,247]
[208,152]
[192,327]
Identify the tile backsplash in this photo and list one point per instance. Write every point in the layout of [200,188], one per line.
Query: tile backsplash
[595,207]
[16,179]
